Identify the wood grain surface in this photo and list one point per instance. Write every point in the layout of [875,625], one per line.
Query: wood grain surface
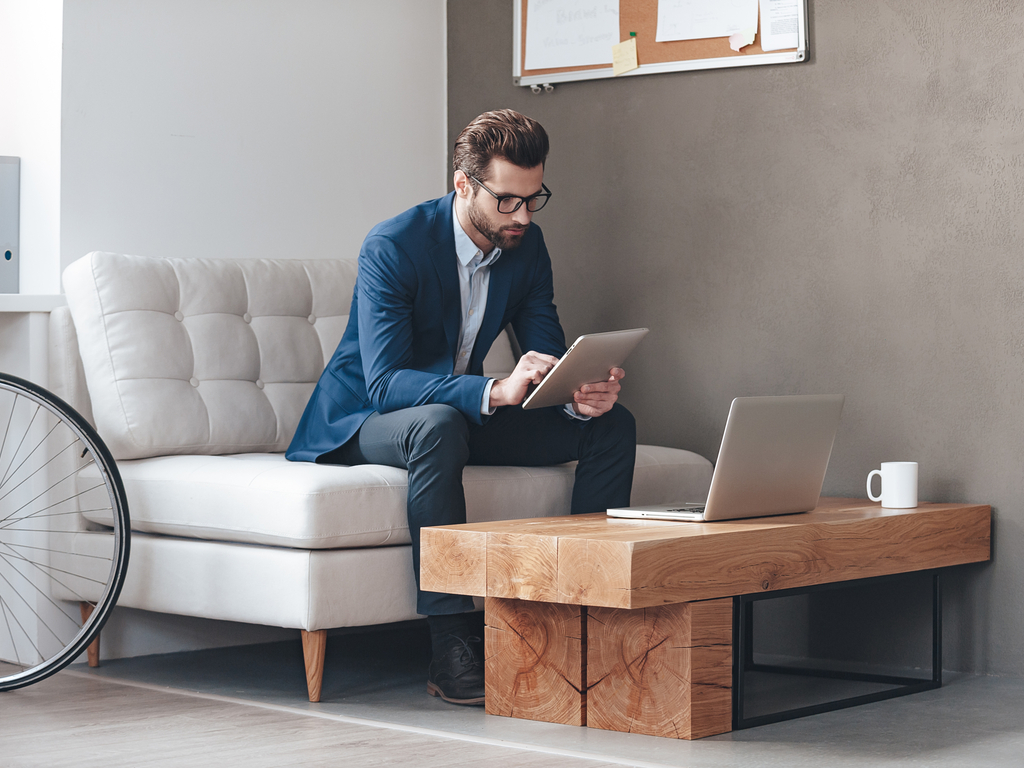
[85,721]
[595,560]
[664,671]
[535,660]
[314,649]
[523,566]
[453,561]
[92,652]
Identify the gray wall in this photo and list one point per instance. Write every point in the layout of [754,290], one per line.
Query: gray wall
[847,225]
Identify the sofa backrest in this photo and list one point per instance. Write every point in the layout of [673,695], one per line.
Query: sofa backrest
[205,356]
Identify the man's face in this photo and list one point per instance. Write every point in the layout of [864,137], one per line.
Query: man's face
[504,230]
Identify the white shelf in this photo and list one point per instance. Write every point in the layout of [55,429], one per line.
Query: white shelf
[27,302]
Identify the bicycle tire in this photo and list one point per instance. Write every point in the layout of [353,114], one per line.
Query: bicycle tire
[76,544]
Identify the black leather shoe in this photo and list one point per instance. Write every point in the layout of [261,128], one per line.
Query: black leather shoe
[456,673]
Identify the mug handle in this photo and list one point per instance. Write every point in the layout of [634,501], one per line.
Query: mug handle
[870,475]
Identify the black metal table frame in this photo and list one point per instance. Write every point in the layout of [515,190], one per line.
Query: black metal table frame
[743,655]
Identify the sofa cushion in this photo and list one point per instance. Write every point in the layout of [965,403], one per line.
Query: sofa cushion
[205,356]
[265,499]
[202,355]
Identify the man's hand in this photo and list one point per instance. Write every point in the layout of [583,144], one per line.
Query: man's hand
[531,368]
[598,398]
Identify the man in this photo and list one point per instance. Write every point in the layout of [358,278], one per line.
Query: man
[436,285]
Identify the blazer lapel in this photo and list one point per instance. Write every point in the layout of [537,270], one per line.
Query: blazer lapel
[442,254]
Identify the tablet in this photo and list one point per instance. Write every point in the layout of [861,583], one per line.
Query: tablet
[588,360]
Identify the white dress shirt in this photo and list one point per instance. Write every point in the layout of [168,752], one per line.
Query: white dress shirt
[474,281]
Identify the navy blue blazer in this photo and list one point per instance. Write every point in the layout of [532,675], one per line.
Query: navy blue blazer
[399,348]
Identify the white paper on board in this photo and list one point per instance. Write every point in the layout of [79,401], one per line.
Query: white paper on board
[699,19]
[779,24]
[570,33]
[742,39]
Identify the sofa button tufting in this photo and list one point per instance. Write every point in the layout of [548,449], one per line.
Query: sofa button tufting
[194,381]
[259,383]
[247,317]
[178,316]
[312,319]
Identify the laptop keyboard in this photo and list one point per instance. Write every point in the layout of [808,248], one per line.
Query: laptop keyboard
[689,513]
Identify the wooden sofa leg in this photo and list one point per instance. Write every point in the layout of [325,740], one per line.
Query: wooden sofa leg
[314,644]
[92,653]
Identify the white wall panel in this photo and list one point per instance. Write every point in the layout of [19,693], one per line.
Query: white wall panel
[248,128]
[30,72]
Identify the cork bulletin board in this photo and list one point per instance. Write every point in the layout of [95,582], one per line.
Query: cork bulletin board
[639,19]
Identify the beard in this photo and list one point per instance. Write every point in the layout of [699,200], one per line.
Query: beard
[500,237]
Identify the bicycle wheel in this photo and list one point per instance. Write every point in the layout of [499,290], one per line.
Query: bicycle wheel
[64,533]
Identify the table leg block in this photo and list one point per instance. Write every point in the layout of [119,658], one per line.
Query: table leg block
[664,671]
[535,656]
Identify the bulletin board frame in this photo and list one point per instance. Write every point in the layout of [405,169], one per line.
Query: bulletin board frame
[640,16]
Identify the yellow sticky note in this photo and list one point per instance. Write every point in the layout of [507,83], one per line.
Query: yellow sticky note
[624,57]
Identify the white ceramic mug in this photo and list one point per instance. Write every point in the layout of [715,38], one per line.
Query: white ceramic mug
[899,484]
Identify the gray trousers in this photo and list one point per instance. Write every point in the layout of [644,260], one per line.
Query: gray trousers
[435,442]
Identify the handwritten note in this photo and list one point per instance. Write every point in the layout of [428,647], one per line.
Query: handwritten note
[570,33]
[699,19]
[624,57]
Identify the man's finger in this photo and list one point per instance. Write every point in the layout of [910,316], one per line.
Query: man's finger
[589,410]
[601,397]
[601,386]
[540,357]
[603,404]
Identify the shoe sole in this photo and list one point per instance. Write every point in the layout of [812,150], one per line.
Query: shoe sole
[433,690]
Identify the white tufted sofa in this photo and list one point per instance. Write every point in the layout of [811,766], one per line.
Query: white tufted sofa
[195,373]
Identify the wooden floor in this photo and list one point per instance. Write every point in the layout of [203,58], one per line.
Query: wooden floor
[242,707]
[77,720]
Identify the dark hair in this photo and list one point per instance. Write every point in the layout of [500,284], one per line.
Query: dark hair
[502,133]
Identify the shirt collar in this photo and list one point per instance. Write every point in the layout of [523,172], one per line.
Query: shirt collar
[465,249]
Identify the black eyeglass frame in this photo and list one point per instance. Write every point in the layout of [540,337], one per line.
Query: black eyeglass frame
[542,196]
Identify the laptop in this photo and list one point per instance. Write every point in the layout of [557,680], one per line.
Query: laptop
[772,461]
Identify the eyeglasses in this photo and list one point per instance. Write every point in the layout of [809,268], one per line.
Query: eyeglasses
[511,203]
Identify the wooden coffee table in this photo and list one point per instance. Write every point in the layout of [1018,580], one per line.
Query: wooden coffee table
[627,625]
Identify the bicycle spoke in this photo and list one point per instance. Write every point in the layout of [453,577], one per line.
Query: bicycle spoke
[10,559]
[34,613]
[38,567]
[7,429]
[10,633]
[12,544]
[57,503]
[12,529]
[84,511]
[38,469]
[37,516]
[73,619]
[51,506]
[16,450]
[43,530]
[23,462]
